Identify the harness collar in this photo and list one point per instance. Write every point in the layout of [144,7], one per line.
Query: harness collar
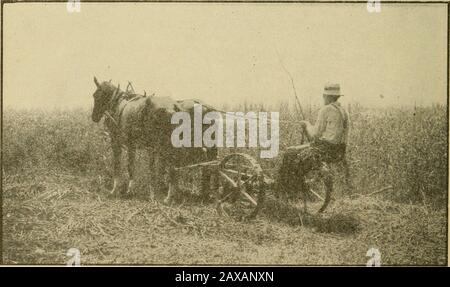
[117,97]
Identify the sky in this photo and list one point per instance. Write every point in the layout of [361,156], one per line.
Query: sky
[225,53]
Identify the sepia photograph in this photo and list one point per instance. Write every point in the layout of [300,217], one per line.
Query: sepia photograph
[219,133]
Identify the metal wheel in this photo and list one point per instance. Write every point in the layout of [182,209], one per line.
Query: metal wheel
[317,192]
[240,190]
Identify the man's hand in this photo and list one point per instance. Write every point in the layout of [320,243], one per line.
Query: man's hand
[303,124]
[306,128]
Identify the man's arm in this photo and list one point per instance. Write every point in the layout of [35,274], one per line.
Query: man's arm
[316,131]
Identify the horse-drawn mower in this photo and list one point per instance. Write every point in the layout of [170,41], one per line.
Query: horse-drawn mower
[238,182]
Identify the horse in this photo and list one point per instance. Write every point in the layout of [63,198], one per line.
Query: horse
[137,121]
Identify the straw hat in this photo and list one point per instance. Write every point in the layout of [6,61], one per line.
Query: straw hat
[332,90]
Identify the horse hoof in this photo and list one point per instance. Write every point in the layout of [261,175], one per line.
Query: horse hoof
[167,200]
[113,190]
[130,188]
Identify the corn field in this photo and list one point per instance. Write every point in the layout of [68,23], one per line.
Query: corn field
[56,164]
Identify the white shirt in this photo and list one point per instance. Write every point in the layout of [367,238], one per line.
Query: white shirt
[332,124]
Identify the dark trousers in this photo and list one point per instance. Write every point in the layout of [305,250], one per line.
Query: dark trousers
[330,153]
[297,163]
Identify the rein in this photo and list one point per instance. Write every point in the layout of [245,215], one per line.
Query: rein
[118,95]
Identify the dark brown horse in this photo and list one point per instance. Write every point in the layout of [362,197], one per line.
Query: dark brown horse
[137,121]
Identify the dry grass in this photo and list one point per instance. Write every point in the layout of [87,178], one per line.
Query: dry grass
[57,167]
[43,220]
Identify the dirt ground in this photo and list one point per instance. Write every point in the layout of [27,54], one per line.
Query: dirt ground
[46,215]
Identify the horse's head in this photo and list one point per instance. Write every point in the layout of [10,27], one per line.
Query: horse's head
[102,98]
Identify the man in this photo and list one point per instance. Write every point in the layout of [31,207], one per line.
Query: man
[330,133]
[328,142]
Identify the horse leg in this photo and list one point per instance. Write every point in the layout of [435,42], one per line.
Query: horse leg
[168,198]
[151,166]
[117,153]
[158,172]
[206,184]
[131,166]
[172,185]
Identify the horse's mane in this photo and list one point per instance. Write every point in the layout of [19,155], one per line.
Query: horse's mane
[108,86]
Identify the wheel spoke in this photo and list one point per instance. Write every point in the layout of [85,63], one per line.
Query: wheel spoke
[237,165]
[316,194]
[248,180]
[234,172]
[248,197]
[226,196]
[239,174]
[239,181]
[228,179]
